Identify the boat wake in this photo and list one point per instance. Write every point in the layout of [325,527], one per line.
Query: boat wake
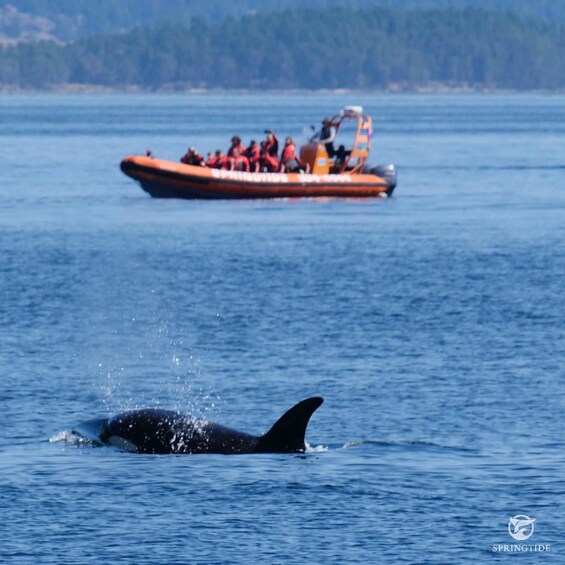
[410,444]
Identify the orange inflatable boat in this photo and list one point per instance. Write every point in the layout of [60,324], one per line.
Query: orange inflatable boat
[343,173]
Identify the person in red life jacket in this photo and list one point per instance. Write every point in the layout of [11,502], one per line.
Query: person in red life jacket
[268,163]
[236,145]
[192,157]
[211,160]
[240,161]
[223,161]
[290,162]
[271,146]
[253,153]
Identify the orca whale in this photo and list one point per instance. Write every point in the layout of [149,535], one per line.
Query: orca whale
[152,430]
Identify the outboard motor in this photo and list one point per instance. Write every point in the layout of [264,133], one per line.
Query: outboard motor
[386,172]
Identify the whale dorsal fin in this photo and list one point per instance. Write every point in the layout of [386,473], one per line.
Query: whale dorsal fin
[287,434]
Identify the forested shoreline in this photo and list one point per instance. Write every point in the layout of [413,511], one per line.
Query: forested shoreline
[69,20]
[305,49]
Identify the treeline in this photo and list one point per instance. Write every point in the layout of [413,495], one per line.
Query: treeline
[309,49]
[69,20]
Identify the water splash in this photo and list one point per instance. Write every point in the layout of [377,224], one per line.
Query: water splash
[315,449]
[68,437]
[160,370]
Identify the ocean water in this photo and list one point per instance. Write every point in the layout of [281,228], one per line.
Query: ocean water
[432,323]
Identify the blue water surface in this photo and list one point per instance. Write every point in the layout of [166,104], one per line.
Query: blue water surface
[432,324]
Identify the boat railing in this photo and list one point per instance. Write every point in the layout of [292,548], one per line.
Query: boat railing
[355,159]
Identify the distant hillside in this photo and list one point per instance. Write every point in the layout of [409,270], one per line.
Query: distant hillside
[375,49]
[68,20]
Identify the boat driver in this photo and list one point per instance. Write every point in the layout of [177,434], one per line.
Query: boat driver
[327,136]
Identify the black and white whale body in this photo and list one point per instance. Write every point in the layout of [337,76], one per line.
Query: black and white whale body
[153,430]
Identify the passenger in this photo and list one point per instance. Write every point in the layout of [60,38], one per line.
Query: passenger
[192,157]
[240,161]
[340,157]
[211,160]
[327,136]
[235,144]
[253,153]
[272,144]
[289,160]
[271,147]
[268,163]
[223,161]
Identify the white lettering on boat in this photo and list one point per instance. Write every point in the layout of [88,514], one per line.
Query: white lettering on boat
[249,177]
[278,177]
[330,179]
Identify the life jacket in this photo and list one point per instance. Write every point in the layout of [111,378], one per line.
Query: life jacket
[224,162]
[239,147]
[241,163]
[289,152]
[270,162]
[253,153]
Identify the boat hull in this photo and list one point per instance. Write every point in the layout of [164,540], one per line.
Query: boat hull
[166,179]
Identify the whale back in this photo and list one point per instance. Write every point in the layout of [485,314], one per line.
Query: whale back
[143,431]
[154,430]
[162,431]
